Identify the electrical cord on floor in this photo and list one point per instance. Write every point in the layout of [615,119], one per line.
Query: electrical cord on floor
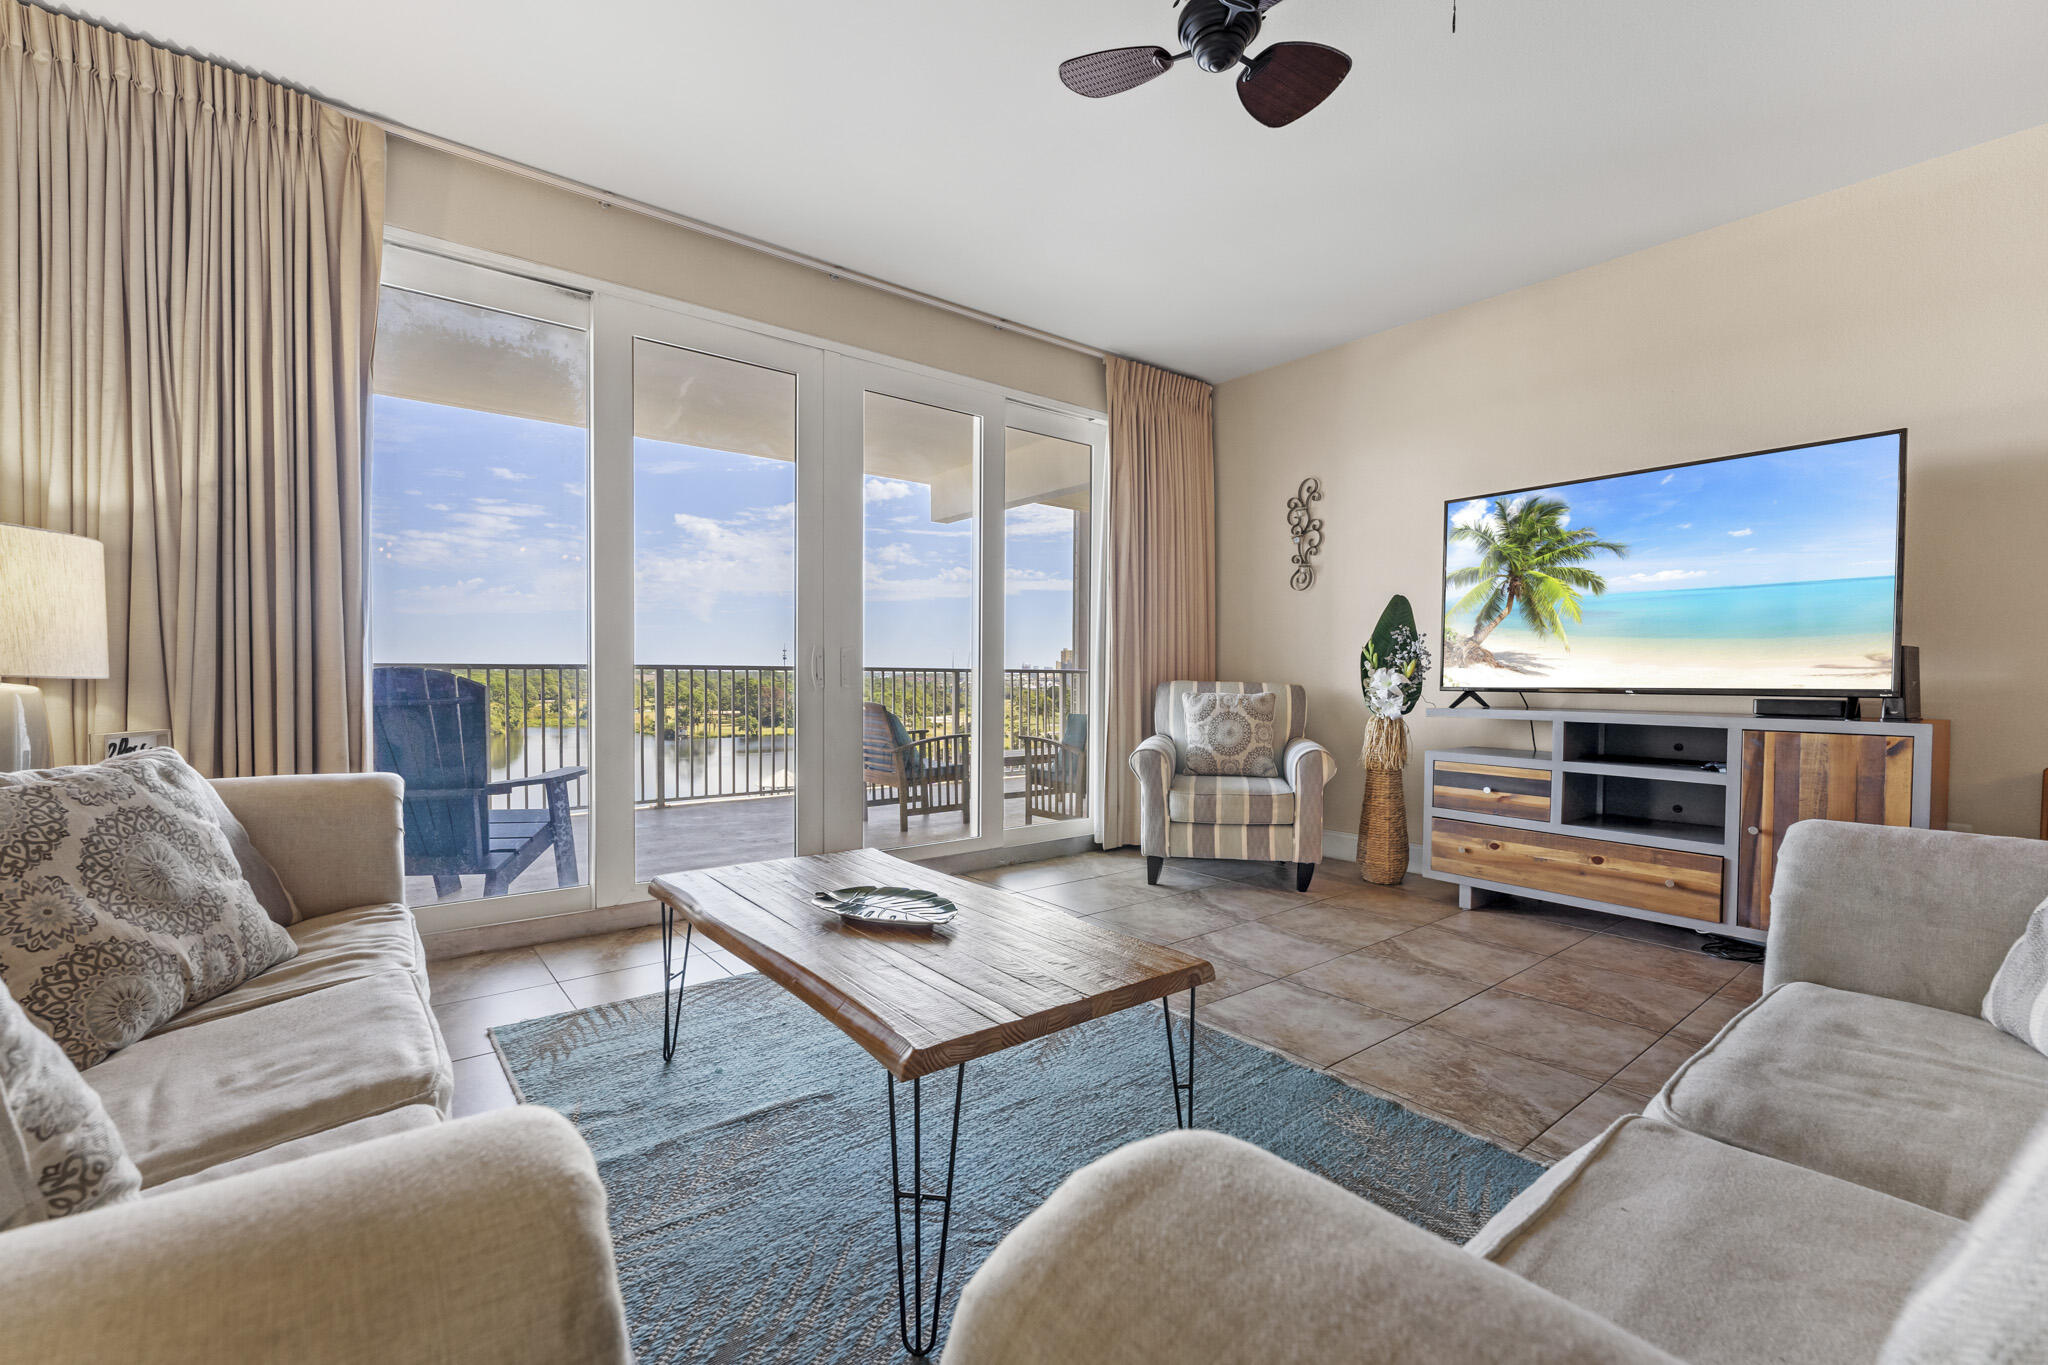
[1532,727]
[1732,949]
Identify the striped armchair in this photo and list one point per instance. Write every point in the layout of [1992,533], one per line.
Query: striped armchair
[1273,819]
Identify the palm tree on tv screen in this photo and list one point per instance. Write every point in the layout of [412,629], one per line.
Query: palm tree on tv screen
[1528,559]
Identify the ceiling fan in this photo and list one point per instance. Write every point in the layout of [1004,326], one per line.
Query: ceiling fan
[1276,87]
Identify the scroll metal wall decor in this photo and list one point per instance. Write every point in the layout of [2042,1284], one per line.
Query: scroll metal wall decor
[1307,530]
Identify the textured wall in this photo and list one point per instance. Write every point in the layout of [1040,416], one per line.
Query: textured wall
[1919,299]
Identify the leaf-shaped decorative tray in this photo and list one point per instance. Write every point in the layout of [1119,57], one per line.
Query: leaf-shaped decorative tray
[903,907]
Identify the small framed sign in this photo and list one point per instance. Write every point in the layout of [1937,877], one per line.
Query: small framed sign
[112,743]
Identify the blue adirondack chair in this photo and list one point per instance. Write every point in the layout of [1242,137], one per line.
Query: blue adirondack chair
[433,730]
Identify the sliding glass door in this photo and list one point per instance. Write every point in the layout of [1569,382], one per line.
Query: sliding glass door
[683,594]
[479,580]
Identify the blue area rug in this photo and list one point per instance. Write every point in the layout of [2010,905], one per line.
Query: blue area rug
[749,1179]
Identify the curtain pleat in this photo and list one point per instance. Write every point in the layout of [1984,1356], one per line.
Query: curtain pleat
[1161,589]
[185,343]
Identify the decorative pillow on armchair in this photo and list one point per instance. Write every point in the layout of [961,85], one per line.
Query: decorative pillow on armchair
[59,1152]
[1229,734]
[121,903]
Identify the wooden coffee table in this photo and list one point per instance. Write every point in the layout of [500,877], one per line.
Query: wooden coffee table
[1006,971]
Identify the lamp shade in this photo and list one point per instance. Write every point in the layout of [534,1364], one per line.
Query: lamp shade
[53,605]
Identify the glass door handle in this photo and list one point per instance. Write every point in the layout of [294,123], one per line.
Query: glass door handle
[818,666]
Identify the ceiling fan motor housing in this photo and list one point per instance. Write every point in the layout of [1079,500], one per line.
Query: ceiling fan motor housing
[1217,33]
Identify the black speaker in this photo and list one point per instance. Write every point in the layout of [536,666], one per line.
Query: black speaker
[1906,705]
[1807,708]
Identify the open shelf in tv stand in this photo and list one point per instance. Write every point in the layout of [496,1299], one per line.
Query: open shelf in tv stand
[1659,815]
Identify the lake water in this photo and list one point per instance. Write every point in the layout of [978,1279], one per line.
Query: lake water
[690,767]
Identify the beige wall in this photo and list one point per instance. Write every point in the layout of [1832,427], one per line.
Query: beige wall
[459,200]
[1919,299]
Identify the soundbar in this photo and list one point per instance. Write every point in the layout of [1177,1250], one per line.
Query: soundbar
[1808,708]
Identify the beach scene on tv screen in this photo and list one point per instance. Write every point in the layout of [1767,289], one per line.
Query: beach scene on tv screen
[1766,573]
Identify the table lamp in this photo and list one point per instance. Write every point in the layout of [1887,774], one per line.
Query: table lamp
[53,624]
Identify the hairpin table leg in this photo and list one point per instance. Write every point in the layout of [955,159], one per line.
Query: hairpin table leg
[1180,1119]
[918,1337]
[672,981]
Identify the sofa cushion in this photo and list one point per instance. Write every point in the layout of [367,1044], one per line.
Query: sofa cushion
[403,1119]
[1988,1300]
[194,1097]
[59,1152]
[333,948]
[1918,1102]
[121,902]
[1683,1241]
[1230,800]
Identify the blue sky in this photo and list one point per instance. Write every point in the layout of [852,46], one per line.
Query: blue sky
[1793,516]
[480,553]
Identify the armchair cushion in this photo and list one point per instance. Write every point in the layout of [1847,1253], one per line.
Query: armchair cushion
[1230,800]
[1290,712]
[1228,735]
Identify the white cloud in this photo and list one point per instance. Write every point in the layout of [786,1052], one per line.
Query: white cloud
[1035,580]
[499,471]
[1667,478]
[1685,526]
[574,490]
[1038,519]
[437,507]
[894,555]
[1471,514]
[888,490]
[1662,576]
[956,581]
[750,554]
[488,528]
[662,464]
[412,492]
[1743,532]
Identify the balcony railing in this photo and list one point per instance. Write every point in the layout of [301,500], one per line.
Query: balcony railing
[716,732]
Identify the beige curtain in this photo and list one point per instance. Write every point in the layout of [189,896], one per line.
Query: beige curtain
[1161,592]
[185,333]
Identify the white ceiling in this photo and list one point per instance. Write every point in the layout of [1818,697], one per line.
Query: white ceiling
[930,143]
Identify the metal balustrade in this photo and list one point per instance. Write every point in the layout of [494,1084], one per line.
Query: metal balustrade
[710,732]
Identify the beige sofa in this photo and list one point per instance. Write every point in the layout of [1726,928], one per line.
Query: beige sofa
[1778,1200]
[306,1198]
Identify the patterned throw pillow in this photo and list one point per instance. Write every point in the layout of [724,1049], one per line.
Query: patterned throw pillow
[2017,1002]
[59,1152]
[1229,734]
[121,903]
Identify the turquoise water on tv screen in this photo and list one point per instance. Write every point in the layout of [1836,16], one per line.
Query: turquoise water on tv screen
[1757,611]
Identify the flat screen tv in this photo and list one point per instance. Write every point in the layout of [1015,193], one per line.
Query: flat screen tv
[1773,573]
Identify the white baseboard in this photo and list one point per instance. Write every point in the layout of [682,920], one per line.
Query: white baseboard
[1342,847]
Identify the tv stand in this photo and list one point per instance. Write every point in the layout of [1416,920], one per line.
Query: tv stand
[1468,695]
[1671,817]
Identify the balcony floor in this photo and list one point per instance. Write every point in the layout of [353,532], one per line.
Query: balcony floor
[717,833]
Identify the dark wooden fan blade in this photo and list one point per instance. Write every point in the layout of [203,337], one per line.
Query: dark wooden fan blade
[1114,71]
[1289,79]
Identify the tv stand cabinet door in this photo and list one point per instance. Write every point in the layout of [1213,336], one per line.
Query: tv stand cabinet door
[1789,776]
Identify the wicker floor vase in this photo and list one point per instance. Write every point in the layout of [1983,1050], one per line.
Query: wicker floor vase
[1383,828]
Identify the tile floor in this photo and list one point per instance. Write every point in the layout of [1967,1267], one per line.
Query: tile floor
[1532,1026]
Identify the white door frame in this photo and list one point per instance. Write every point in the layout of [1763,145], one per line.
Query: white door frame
[1093,433]
[616,324]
